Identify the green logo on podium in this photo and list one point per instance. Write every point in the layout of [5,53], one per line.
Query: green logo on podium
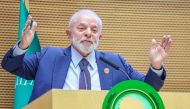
[133,94]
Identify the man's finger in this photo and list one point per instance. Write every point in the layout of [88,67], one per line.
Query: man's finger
[154,43]
[26,25]
[166,41]
[34,26]
[29,17]
[168,45]
[163,41]
[24,32]
[27,28]
[27,22]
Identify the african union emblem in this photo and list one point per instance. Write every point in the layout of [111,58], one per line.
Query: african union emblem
[132,94]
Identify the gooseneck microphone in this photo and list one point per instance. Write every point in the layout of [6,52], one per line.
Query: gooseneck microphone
[115,66]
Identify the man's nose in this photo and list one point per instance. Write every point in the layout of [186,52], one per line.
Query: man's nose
[88,33]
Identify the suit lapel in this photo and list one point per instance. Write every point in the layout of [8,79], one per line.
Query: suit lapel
[105,78]
[61,68]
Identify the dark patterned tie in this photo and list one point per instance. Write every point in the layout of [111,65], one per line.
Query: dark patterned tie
[84,78]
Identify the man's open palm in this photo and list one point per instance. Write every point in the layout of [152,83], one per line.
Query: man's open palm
[158,52]
[28,33]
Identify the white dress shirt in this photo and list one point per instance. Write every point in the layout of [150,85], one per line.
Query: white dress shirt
[72,79]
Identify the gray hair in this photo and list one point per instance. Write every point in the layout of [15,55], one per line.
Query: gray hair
[86,12]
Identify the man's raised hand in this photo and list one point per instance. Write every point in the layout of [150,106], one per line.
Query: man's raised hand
[28,33]
[158,52]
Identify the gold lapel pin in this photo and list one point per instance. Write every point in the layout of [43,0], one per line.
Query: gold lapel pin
[106,70]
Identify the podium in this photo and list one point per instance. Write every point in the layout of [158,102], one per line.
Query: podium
[85,99]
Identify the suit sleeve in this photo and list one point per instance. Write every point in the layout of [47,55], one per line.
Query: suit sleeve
[21,65]
[151,78]
[154,80]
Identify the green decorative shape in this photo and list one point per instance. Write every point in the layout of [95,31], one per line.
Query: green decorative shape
[133,89]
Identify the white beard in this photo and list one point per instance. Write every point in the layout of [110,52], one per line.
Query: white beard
[85,48]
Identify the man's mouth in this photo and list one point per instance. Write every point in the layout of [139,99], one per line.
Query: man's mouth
[87,41]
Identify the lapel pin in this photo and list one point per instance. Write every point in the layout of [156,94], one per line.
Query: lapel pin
[106,70]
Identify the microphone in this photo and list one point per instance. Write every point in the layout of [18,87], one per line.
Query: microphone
[115,66]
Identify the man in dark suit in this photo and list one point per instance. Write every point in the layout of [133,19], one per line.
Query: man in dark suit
[80,66]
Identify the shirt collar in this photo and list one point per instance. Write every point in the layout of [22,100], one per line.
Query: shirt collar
[76,58]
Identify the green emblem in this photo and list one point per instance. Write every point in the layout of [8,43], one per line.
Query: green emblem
[142,95]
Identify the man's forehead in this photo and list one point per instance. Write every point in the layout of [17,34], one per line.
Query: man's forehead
[82,19]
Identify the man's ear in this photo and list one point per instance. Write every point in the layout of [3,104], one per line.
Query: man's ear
[100,36]
[68,33]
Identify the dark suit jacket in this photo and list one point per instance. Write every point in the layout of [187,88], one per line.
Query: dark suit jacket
[50,66]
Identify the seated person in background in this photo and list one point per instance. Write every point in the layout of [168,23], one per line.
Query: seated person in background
[80,66]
